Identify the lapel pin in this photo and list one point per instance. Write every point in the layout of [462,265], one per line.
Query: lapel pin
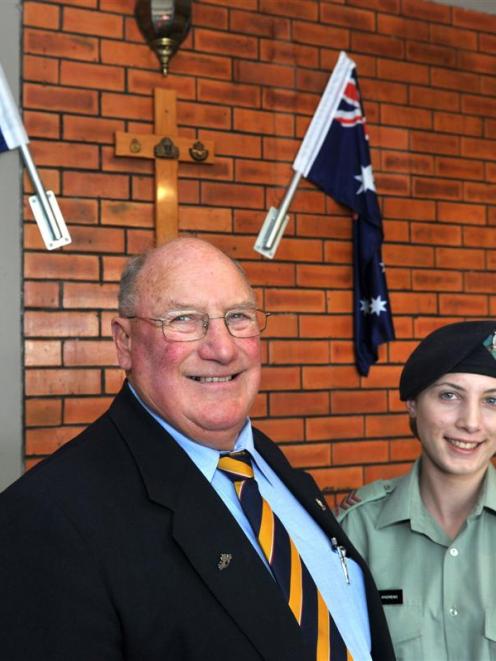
[320,504]
[224,560]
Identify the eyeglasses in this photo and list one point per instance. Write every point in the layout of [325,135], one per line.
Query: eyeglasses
[187,326]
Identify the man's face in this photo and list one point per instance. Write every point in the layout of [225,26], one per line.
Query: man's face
[204,387]
[456,424]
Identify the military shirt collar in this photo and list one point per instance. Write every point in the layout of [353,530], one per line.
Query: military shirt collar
[405,503]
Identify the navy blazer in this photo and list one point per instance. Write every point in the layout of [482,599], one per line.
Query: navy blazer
[110,550]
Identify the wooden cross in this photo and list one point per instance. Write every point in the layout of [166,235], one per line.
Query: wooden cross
[166,148]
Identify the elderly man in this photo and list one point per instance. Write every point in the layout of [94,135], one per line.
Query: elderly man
[170,529]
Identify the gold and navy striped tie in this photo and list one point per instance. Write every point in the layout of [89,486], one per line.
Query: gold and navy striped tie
[304,599]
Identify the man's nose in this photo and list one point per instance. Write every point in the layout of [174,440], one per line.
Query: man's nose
[217,344]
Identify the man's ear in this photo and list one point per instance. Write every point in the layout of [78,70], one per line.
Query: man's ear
[121,332]
[411,406]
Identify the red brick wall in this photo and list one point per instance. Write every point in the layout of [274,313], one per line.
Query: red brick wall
[249,77]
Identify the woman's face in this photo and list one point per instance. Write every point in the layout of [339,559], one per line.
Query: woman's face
[455,419]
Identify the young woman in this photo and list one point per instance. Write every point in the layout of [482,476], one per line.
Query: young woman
[430,537]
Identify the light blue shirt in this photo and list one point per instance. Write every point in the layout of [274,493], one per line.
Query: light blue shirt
[347,603]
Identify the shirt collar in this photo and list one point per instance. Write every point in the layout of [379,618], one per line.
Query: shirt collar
[204,458]
[487,497]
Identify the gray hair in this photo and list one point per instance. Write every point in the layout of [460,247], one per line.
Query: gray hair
[128,285]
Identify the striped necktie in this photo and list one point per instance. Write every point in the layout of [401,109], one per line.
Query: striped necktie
[304,599]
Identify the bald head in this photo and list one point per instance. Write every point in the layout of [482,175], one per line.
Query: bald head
[155,263]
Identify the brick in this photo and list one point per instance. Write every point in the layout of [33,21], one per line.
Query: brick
[386,425]
[297,352]
[331,480]
[121,6]
[256,23]
[280,378]
[282,429]
[388,92]
[207,219]
[377,45]
[371,401]
[456,80]
[126,106]
[236,94]
[87,353]
[407,255]
[42,353]
[259,172]
[64,154]
[407,303]
[463,304]
[476,62]
[278,300]
[111,186]
[447,258]
[487,43]
[411,209]
[427,10]
[483,193]
[113,380]
[203,65]
[91,75]
[96,23]
[60,324]
[62,382]
[405,116]
[403,27]
[452,36]
[309,455]
[459,168]
[60,99]
[320,35]
[349,17]
[301,403]
[141,82]
[474,19]
[89,295]
[427,97]
[436,55]
[480,282]
[288,53]
[479,149]
[41,124]
[46,440]
[60,266]
[438,188]
[225,43]
[362,452]
[406,72]
[450,123]
[80,3]
[404,450]
[40,69]
[58,44]
[41,412]
[437,280]
[84,410]
[113,267]
[234,144]
[478,105]
[41,15]
[212,17]
[229,194]
[270,274]
[406,162]
[434,234]
[385,471]
[41,294]
[309,275]
[139,240]
[127,54]
[91,129]
[334,427]
[329,376]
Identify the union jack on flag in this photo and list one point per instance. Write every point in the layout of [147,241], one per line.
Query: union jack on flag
[335,156]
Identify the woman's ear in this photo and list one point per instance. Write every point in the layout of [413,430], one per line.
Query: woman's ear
[411,406]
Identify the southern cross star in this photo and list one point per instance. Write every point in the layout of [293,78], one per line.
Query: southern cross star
[366,180]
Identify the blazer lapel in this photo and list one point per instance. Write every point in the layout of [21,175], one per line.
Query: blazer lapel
[208,535]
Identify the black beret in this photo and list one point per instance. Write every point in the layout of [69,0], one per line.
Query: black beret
[466,346]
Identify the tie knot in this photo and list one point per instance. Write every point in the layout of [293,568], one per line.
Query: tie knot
[237,466]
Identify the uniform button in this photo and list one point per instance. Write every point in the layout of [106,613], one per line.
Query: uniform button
[454,552]
[453,612]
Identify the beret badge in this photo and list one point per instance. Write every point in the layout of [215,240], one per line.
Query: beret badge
[490,344]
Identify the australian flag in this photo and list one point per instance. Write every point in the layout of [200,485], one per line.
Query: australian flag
[338,161]
[12,132]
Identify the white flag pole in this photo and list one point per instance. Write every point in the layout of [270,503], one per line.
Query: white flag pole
[276,220]
[43,204]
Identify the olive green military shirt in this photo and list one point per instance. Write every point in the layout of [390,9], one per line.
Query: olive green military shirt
[439,595]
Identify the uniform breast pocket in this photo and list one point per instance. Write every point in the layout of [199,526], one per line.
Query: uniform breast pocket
[405,625]
[490,630]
